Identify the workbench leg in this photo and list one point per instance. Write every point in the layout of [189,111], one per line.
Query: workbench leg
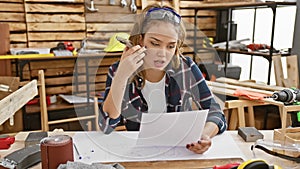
[43,102]
[241,116]
[233,119]
[226,114]
[89,125]
[251,116]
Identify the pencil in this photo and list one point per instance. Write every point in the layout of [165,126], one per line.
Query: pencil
[77,152]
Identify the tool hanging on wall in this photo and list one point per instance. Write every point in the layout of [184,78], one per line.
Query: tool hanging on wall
[112,2]
[133,7]
[92,8]
[123,3]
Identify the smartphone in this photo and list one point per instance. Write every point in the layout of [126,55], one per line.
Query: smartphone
[124,41]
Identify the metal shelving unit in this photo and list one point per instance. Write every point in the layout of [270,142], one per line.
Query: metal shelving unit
[230,6]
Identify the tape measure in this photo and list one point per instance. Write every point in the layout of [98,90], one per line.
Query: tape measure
[257,164]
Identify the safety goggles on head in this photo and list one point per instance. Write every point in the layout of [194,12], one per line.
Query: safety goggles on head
[164,13]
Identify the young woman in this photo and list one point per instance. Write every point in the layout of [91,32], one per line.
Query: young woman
[153,76]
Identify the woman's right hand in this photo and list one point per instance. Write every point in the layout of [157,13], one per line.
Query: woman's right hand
[131,60]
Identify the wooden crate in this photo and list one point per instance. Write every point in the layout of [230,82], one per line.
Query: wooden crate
[51,22]
[289,136]
[12,13]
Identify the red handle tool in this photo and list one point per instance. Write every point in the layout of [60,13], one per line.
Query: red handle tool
[226,166]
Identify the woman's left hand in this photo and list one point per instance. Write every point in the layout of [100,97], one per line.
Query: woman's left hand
[201,146]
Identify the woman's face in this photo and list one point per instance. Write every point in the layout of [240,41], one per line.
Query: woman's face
[160,41]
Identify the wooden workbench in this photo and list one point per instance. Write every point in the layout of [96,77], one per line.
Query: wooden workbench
[226,86]
[244,146]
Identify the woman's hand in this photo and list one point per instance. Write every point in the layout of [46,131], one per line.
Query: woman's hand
[131,60]
[201,146]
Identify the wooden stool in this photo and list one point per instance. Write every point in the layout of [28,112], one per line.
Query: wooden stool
[237,118]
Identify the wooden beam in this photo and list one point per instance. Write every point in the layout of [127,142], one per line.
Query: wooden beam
[12,103]
[292,70]
[249,84]
[278,70]
[54,8]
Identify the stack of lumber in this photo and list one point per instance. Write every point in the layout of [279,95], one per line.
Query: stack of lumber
[227,86]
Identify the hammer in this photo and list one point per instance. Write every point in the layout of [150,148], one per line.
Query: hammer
[92,8]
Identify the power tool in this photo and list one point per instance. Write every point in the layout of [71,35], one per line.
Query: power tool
[289,96]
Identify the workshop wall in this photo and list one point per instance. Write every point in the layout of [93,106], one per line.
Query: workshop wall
[44,23]
[49,22]
[12,12]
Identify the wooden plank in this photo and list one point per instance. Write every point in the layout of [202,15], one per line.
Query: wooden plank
[101,36]
[168,3]
[12,103]
[202,20]
[200,13]
[43,102]
[20,37]
[56,18]
[292,70]
[97,86]
[76,44]
[92,78]
[119,27]
[278,70]
[249,84]
[144,3]
[52,64]
[18,45]
[17,1]
[234,87]
[53,27]
[47,1]
[59,80]
[13,17]
[205,25]
[16,27]
[203,33]
[99,70]
[59,90]
[54,8]
[179,164]
[175,4]
[106,2]
[185,4]
[106,61]
[109,17]
[47,36]
[54,72]
[11,7]
[71,119]
[111,9]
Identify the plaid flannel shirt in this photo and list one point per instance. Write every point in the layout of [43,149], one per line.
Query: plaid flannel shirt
[181,85]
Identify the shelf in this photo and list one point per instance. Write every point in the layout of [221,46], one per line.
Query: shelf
[234,5]
[265,55]
[229,7]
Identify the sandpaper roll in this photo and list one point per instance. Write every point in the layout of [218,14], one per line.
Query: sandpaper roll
[56,150]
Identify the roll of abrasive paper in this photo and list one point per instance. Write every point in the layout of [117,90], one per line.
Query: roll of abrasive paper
[55,150]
